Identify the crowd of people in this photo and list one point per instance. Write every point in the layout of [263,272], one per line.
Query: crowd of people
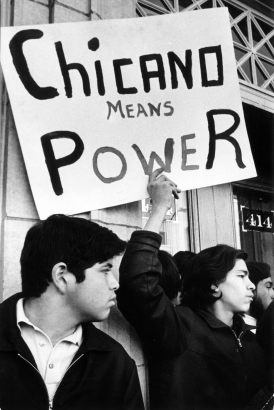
[205,321]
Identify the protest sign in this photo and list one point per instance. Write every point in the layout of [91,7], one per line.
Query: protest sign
[99,105]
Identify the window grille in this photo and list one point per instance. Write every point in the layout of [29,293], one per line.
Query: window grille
[253,36]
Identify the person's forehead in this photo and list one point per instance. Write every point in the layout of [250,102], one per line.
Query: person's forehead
[240,265]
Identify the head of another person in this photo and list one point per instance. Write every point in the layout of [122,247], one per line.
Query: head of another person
[216,274]
[170,280]
[182,260]
[75,256]
[259,274]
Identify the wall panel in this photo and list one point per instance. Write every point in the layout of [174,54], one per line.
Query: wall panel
[215,215]
[14,233]
[19,199]
[30,12]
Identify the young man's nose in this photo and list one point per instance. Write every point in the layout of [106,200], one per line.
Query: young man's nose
[251,285]
[113,283]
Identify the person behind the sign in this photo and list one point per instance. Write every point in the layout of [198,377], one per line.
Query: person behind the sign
[259,274]
[170,280]
[183,260]
[51,355]
[173,273]
[201,355]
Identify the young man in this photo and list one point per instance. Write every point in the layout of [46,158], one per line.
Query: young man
[201,356]
[259,274]
[51,355]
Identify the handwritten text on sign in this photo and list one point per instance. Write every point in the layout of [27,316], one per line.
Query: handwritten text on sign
[99,105]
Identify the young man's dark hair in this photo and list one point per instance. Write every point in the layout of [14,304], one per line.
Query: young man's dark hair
[206,271]
[170,280]
[77,242]
[51,354]
[182,260]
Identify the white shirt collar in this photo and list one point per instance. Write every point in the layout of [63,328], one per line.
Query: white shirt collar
[250,320]
[75,337]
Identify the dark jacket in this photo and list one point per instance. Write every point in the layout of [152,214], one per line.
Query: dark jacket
[102,375]
[264,399]
[195,361]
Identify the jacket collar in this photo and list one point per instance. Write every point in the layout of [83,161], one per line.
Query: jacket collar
[95,339]
[10,336]
[238,322]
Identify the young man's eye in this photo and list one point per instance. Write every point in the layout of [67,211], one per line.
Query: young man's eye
[269,285]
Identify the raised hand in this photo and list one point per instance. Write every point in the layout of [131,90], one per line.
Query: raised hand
[161,189]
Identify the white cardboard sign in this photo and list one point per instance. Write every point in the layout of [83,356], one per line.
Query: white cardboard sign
[99,105]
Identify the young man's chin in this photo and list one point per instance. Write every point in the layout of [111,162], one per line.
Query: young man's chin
[244,309]
[102,317]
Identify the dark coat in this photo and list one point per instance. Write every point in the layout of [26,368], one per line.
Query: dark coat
[102,375]
[264,399]
[195,361]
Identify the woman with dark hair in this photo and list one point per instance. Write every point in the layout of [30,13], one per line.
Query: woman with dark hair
[202,355]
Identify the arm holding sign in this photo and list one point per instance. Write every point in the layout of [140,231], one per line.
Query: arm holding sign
[140,298]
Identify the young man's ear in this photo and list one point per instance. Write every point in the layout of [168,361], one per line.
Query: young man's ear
[60,277]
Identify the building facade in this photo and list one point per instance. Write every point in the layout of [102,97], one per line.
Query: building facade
[238,214]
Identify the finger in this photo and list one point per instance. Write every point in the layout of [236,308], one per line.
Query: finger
[176,193]
[171,182]
[161,178]
[155,174]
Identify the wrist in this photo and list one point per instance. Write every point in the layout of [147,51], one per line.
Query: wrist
[159,208]
[156,218]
